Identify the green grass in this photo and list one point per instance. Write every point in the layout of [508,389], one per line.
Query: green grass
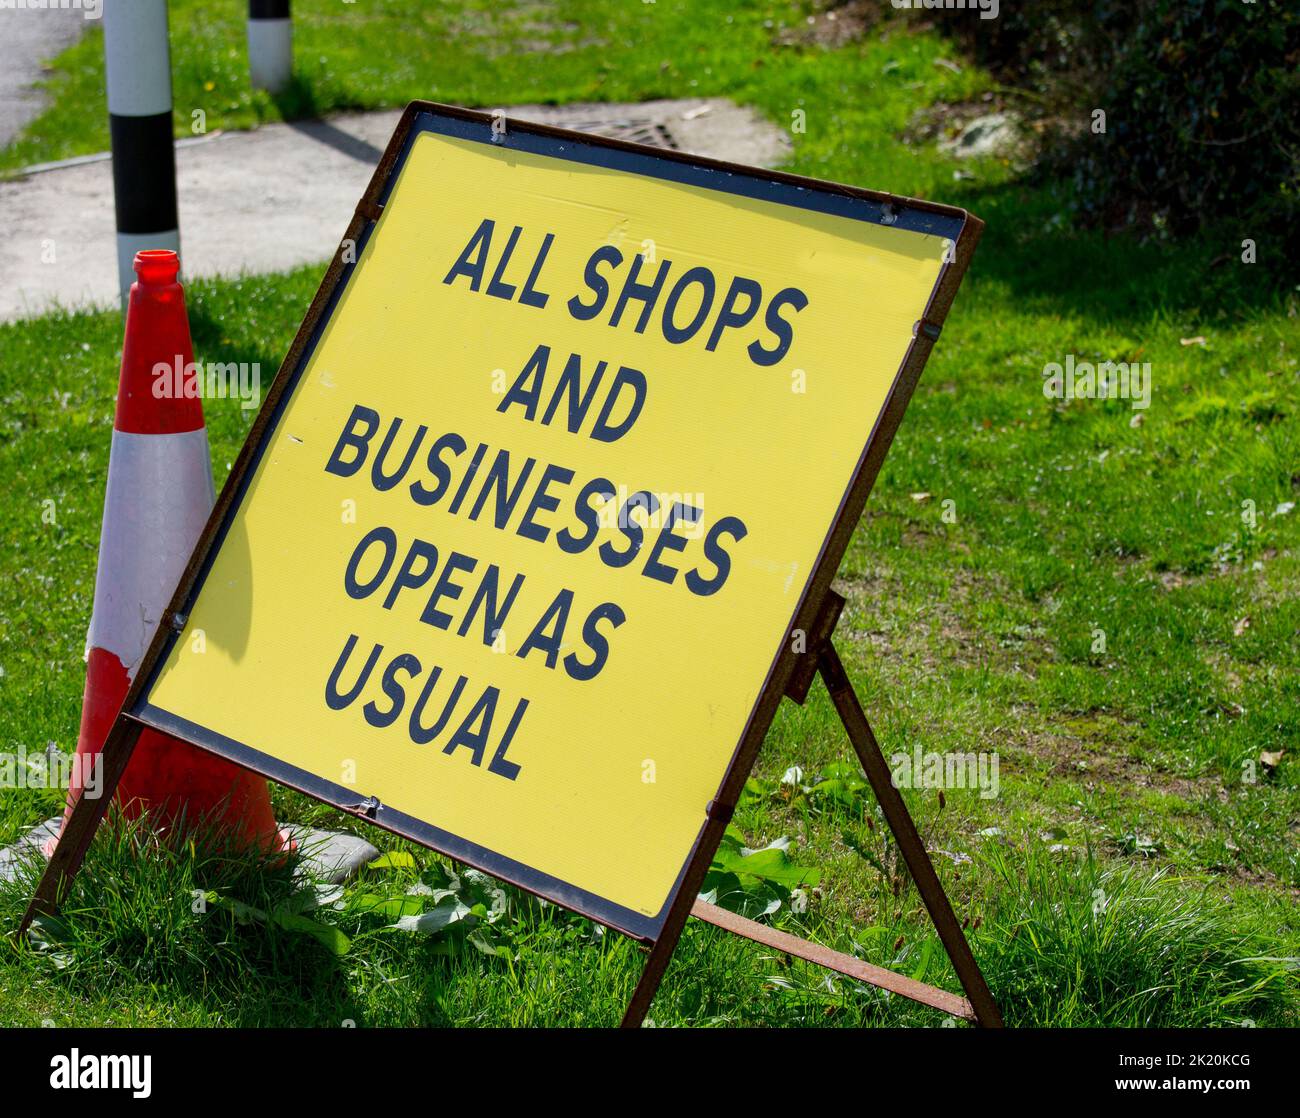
[1128,873]
[488,53]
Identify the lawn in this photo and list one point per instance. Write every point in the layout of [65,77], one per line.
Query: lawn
[1103,597]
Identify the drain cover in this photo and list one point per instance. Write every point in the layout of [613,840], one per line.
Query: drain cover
[653,133]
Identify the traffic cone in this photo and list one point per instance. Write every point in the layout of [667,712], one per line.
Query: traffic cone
[158,499]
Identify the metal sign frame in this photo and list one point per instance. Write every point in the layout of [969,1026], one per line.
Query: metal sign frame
[790,673]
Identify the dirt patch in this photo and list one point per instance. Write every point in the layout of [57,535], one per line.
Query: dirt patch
[939,635]
[914,643]
[835,25]
[1093,750]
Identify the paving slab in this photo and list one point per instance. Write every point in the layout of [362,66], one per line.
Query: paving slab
[29,846]
[30,38]
[283,195]
[327,856]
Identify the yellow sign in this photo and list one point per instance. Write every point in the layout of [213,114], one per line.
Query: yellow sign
[526,533]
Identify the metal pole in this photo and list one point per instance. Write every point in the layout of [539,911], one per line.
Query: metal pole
[138,75]
[270,45]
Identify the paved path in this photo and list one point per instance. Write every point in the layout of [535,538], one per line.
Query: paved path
[30,37]
[282,196]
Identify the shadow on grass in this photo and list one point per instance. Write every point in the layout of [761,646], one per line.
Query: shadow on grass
[1032,249]
[215,925]
[298,100]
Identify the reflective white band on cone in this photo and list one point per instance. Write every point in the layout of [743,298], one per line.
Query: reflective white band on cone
[159,495]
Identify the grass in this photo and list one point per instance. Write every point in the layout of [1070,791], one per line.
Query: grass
[486,53]
[1083,596]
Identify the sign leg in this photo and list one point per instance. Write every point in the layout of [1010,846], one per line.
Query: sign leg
[905,834]
[81,825]
[662,950]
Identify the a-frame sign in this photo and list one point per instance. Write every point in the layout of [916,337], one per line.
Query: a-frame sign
[538,522]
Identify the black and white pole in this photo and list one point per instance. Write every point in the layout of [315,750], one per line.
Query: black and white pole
[138,73]
[270,44]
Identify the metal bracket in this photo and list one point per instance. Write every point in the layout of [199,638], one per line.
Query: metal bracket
[823,628]
[369,808]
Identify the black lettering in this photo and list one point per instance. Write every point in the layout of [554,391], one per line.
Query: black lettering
[378,478]
[548,633]
[595,640]
[350,438]
[530,296]
[679,334]
[525,395]
[468,479]
[496,287]
[571,380]
[393,690]
[421,734]
[606,432]
[422,495]
[543,502]
[486,596]
[446,588]
[670,541]
[611,556]
[596,282]
[731,318]
[473,269]
[783,330]
[646,293]
[333,699]
[590,518]
[728,525]
[407,578]
[499,764]
[475,740]
[385,536]
[497,477]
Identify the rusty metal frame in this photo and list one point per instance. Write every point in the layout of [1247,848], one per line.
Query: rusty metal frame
[821,658]
[848,965]
[791,672]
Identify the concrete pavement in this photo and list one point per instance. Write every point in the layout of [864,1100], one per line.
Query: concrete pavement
[282,196]
[29,38]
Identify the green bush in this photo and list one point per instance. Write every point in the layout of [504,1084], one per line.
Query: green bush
[1200,96]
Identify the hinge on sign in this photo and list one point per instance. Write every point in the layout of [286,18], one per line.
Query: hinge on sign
[367,808]
[930,329]
[369,210]
[178,621]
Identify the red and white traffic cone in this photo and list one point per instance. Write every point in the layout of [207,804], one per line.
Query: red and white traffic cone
[159,495]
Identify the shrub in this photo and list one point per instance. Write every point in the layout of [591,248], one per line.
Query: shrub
[1200,99]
